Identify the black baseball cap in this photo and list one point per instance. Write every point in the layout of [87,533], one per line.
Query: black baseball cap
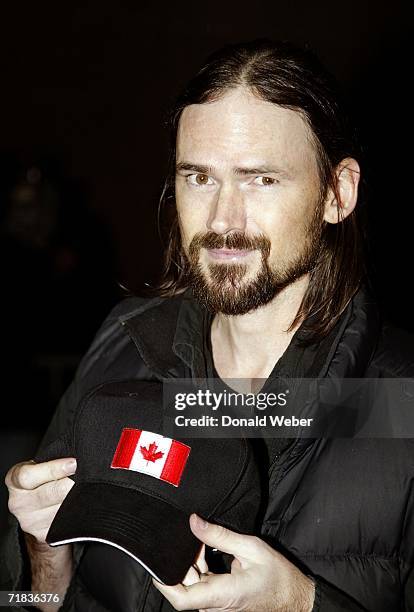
[135,488]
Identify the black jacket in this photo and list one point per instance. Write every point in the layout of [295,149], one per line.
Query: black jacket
[341,509]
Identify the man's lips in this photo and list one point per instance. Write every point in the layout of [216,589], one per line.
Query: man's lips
[228,254]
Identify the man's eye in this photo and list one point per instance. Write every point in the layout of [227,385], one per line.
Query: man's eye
[199,179]
[264,181]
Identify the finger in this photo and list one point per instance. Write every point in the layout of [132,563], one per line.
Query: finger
[223,539]
[191,577]
[30,475]
[52,493]
[23,501]
[210,593]
[170,591]
[38,524]
[201,562]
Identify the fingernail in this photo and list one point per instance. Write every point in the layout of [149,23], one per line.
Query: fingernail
[70,467]
[201,523]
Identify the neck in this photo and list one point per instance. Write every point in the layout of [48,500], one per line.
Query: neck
[249,345]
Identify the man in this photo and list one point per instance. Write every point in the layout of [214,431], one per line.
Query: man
[264,278]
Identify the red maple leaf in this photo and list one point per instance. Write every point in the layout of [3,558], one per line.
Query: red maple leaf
[150,453]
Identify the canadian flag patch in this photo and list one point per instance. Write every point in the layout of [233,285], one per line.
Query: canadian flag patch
[152,454]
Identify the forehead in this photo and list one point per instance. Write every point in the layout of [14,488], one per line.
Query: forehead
[241,128]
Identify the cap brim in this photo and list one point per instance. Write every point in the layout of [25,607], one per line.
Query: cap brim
[151,531]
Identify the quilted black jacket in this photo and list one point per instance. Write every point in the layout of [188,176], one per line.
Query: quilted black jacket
[341,509]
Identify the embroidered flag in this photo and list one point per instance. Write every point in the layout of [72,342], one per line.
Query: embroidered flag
[152,454]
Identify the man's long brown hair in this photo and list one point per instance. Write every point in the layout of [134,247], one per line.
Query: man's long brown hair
[292,78]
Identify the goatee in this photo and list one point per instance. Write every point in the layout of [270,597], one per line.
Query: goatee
[223,289]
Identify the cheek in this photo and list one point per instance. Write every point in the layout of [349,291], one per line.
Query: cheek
[285,224]
[193,212]
[275,221]
[191,221]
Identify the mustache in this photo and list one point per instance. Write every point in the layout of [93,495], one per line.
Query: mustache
[236,240]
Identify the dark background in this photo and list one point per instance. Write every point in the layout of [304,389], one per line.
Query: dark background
[85,88]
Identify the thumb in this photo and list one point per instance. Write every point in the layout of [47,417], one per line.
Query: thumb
[223,539]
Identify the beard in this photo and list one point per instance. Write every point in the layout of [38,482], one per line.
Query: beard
[224,287]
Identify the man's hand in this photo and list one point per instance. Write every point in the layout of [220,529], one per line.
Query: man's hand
[261,579]
[36,491]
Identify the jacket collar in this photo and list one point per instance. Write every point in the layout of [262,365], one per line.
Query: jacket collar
[169,335]
[357,338]
[152,328]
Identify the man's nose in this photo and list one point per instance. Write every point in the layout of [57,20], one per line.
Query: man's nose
[227,212]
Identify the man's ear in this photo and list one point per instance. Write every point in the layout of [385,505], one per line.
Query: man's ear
[341,203]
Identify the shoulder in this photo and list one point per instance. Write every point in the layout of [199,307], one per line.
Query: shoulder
[136,308]
[145,326]
[111,356]
[131,307]
[394,353]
